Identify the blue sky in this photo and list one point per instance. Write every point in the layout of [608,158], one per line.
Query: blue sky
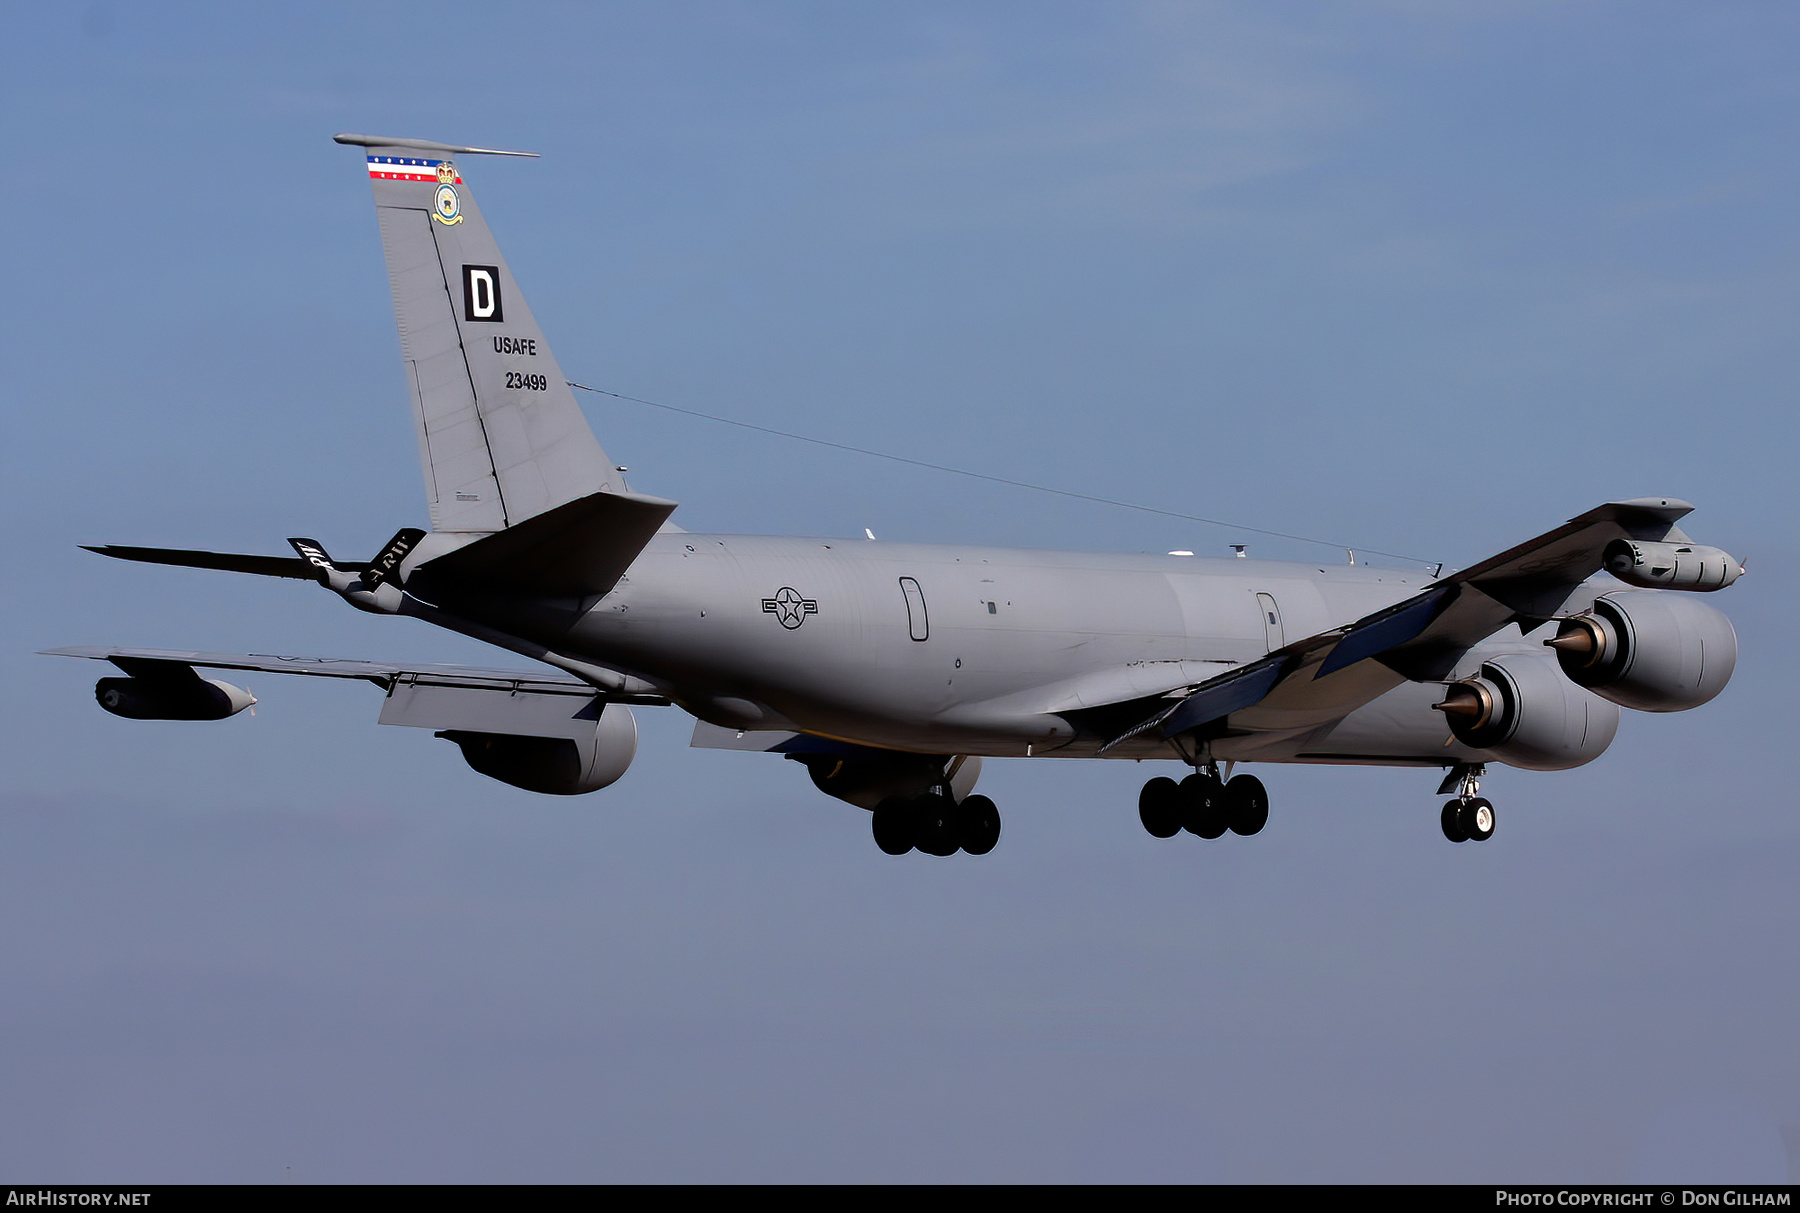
[1412,279]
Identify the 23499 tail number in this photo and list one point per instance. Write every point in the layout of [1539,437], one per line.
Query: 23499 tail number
[530,383]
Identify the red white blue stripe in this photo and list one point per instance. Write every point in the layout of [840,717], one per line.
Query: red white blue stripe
[405,168]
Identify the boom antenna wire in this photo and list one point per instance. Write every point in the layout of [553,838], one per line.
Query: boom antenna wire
[1017,484]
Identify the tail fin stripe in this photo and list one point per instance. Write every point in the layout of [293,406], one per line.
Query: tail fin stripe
[399,168]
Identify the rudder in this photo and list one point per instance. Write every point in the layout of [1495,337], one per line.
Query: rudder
[500,435]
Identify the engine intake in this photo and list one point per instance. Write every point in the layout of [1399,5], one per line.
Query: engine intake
[554,766]
[1670,566]
[1652,652]
[189,698]
[1520,710]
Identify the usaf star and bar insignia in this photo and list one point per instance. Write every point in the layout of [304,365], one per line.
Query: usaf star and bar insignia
[789,608]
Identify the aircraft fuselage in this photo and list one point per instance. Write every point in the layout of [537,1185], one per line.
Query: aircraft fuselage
[973,650]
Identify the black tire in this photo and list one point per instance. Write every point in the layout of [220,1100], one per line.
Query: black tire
[935,822]
[1246,805]
[1159,807]
[1478,820]
[1451,820]
[1203,805]
[892,823]
[978,824]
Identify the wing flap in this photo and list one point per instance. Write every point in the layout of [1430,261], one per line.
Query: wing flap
[1387,629]
[541,712]
[1242,688]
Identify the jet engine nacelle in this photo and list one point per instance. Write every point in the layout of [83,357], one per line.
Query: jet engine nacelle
[1522,711]
[183,699]
[867,781]
[1670,566]
[555,766]
[1652,652]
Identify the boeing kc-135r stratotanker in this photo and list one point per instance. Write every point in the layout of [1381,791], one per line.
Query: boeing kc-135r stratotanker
[888,670]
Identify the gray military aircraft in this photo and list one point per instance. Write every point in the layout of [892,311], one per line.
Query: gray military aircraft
[889,671]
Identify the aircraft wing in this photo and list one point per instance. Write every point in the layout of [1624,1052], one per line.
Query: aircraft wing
[383,674]
[1323,678]
[443,698]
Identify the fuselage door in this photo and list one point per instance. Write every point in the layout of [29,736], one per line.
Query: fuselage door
[1271,616]
[916,621]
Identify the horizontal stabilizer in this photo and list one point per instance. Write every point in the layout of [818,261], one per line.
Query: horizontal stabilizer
[422,145]
[574,550]
[231,562]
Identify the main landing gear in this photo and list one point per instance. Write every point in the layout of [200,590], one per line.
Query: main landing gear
[1204,804]
[1468,818]
[936,824]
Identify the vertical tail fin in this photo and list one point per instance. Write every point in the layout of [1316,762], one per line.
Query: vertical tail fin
[500,434]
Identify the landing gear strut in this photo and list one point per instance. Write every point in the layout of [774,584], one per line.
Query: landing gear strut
[1468,818]
[1203,804]
[936,824]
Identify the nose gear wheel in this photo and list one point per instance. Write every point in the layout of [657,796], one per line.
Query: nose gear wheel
[1470,820]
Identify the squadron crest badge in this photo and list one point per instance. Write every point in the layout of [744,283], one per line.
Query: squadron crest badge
[446,207]
[789,608]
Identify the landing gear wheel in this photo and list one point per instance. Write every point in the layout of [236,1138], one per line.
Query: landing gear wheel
[1203,805]
[1159,807]
[1452,821]
[935,825]
[978,825]
[1478,819]
[1246,805]
[892,823]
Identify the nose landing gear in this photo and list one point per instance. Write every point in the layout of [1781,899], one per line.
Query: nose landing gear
[1468,818]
